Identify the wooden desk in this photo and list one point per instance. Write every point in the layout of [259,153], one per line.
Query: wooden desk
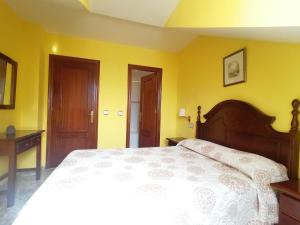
[11,145]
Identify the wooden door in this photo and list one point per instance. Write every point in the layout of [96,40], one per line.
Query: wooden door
[73,106]
[149,125]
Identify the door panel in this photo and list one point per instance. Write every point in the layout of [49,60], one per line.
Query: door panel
[73,91]
[149,105]
[70,104]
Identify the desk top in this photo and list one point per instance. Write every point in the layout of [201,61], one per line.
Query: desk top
[19,135]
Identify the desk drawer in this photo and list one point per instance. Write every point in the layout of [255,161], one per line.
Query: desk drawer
[36,140]
[27,144]
[290,206]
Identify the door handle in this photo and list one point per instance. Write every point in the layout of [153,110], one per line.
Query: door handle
[92,116]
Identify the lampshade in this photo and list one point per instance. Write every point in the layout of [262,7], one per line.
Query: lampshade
[182,112]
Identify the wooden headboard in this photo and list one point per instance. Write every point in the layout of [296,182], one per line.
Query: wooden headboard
[241,126]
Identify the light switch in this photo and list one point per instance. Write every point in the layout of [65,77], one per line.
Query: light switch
[120,113]
[105,112]
[191,125]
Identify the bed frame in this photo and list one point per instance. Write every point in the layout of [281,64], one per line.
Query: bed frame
[239,125]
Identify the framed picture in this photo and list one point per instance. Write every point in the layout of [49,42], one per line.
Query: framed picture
[234,68]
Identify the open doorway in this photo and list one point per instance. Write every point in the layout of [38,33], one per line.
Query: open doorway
[143,107]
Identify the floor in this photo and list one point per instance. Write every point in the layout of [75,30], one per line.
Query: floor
[26,186]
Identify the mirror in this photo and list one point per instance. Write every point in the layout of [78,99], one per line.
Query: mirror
[8,78]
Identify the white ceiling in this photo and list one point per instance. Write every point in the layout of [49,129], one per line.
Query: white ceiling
[70,17]
[151,12]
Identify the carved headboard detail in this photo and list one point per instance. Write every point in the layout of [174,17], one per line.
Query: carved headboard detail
[237,124]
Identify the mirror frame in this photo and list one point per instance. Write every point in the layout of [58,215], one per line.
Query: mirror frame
[14,70]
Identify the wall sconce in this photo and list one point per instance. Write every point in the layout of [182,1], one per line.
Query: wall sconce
[182,114]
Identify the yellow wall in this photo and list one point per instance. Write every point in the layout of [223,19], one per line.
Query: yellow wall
[235,13]
[21,42]
[114,60]
[190,78]
[30,47]
[273,78]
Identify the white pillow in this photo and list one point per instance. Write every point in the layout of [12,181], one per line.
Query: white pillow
[261,170]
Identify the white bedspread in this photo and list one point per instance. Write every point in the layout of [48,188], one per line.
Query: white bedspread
[150,186]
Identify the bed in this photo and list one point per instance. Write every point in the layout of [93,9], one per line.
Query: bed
[220,177]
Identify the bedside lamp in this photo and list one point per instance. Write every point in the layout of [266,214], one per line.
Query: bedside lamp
[182,114]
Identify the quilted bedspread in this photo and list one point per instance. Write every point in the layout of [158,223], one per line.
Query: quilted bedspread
[147,186]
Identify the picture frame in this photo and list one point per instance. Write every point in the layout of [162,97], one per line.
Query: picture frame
[234,68]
